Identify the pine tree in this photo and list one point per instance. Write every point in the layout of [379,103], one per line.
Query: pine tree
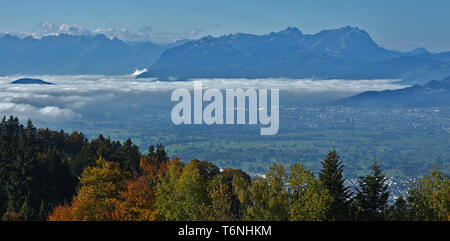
[331,177]
[399,211]
[25,213]
[372,195]
[131,156]
[159,155]
[42,214]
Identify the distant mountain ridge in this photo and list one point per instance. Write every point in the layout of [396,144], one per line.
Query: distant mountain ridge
[432,94]
[346,52]
[74,54]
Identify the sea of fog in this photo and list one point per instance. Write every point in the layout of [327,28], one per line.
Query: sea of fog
[79,96]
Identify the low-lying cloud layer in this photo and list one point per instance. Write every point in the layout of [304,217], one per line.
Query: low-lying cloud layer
[76,97]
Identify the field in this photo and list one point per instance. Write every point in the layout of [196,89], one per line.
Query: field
[406,142]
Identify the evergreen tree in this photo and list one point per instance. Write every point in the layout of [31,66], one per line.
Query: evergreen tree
[159,155]
[131,156]
[25,213]
[42,214]
[372,195]
[332,178]
[399,211]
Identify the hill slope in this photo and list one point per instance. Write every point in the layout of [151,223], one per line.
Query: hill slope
[434,93]
[24,81]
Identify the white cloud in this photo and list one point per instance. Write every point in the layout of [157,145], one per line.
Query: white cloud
[47,113]
[123,34]
[145,33]
[73,29]
[55,112]
[81,96]
[48,27]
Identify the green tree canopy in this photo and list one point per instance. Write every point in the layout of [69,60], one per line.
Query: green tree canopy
[372,195]
[309,197]
[430,196]
[331,177]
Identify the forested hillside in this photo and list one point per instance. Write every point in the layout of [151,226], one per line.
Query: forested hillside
[54,175]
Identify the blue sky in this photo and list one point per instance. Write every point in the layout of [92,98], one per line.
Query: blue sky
[398,24]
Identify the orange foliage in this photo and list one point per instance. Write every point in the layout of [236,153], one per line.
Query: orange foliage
[135,200]
[138,201]
[62,213]
[153,168]
[10,216]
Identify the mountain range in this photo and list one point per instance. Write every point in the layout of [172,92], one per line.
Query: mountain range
[347,53]
[75,54]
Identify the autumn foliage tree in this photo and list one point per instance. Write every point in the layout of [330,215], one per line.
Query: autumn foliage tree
[99,194]
[107,192]
[139,197]
[430,197]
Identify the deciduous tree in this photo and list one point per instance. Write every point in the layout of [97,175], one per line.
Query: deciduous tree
[309,197]
[430,197]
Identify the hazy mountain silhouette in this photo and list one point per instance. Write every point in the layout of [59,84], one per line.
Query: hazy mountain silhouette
[433,93]
[74,54]
[30,81]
